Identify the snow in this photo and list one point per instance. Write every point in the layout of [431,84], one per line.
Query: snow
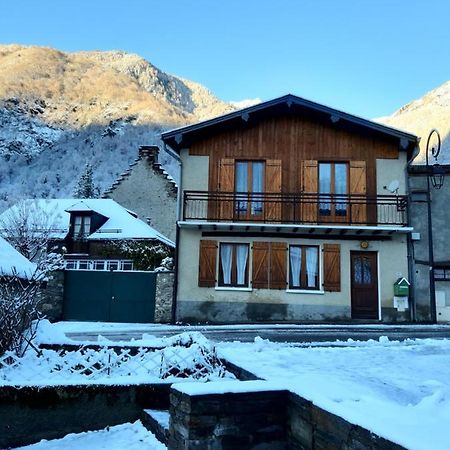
[12,262]
[398,390]
[130,436]
[162,417]
[121,224]
[228,387]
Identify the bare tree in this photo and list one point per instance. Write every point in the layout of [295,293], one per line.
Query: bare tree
[28,226]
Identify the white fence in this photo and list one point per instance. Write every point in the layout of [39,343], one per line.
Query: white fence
[112,366]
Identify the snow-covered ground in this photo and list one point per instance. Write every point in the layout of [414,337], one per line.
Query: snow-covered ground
[398,390]
[129,436]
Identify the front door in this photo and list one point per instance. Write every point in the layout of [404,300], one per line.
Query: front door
[364,286]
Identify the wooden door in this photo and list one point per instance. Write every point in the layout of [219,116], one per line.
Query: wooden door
[364,285]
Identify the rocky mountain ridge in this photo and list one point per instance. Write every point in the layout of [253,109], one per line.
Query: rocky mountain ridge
[59,110]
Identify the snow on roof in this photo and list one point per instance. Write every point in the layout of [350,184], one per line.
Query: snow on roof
[121,223]
[12,262]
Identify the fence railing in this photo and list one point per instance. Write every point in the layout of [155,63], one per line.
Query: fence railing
[295,208]
[111,365]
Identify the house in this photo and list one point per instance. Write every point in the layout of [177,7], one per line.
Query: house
[12,263]
[441,235]
[291,211]
[93,234]
[148,190]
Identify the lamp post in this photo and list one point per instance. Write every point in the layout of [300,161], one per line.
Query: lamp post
[435,175]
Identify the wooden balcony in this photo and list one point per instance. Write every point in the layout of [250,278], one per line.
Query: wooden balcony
[295,208]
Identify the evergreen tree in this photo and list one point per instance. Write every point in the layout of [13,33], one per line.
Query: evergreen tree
[85,187]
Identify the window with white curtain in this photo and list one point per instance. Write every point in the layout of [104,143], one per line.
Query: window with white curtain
[82,226]
[304,267]
[233,264]
[249,181]
[333,185]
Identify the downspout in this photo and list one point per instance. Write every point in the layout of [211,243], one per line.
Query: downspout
[177,238]
[410,242]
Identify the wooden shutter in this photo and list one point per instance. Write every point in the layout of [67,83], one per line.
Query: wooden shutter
[310,175]
[260,265]
[226,184]
[277,270]
[358,186]
[207,264]
[332,267]
[272,210]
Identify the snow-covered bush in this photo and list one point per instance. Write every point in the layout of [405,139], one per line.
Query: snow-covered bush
[19,313]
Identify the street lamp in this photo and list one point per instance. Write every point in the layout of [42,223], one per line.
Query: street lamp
[435,175]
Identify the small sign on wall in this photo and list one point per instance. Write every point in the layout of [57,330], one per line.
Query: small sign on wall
[401,303]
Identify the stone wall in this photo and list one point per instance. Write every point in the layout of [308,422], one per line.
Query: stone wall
[164,297]
[146,189]
[52,296]
[441,236]
[253,417]
[29,414]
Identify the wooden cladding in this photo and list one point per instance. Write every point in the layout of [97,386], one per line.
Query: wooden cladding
[269,265]
[332,267]
[292,140]
[207,263]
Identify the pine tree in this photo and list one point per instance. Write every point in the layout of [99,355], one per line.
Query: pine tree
[85,187]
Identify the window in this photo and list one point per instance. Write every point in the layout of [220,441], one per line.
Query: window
[442,273]
[333,184]
[233,265]
[82,226]
[249,179]
[304,267]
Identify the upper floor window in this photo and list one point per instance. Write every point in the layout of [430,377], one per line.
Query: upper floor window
[82,226]
[333,183]
[233,265]
[249,179]
[304,267]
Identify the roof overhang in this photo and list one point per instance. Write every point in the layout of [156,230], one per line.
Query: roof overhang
[183,137]
[300,230]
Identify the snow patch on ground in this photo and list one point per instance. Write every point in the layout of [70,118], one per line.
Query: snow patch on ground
[130,436]
[398,390]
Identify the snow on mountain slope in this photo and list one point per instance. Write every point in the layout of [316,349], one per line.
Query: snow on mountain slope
[60,110]
[422,115]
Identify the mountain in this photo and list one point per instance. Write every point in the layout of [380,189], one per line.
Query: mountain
[421,116]
[60,110]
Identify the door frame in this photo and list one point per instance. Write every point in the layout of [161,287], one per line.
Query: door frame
[377,259]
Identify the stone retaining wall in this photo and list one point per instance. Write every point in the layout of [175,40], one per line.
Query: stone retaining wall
[264,419]
[29,414]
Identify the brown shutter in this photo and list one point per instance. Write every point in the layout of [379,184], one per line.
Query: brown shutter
[272,210]
[226,184]
[332,267]
[358,186]
[207,264]
[277,271]
[310,175]
[260,265]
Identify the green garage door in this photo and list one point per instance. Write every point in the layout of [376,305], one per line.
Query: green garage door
[109,296]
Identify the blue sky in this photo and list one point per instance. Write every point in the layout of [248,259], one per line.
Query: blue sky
[367,57]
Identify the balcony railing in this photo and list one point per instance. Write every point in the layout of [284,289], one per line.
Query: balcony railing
[295,208]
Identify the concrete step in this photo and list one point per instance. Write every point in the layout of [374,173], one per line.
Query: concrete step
[157,422]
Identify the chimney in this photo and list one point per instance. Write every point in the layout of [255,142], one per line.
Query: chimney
[150,152]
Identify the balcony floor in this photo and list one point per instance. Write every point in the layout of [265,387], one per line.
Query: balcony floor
[326,231]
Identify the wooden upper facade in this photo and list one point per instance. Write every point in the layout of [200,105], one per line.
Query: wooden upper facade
[292,140]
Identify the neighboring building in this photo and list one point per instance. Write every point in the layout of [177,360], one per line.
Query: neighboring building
[291,211]
[93,234]
[441,236]
[12,263]
[148,190]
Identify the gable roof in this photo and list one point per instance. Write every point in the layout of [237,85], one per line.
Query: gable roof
[121,223]
[288,104]
[14,263]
